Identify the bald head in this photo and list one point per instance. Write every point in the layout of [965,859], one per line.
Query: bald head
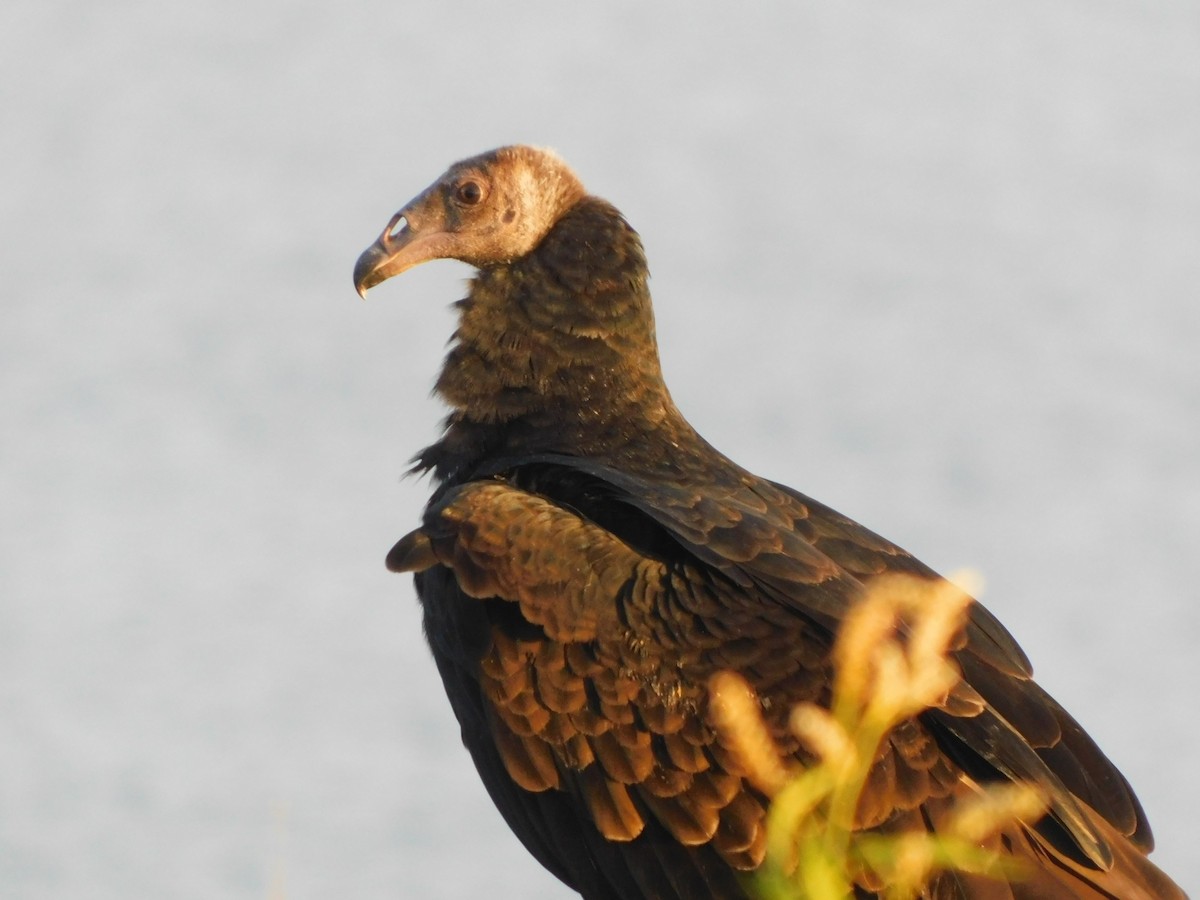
[486,210]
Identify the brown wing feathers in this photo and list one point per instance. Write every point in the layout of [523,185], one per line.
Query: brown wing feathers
[606,695]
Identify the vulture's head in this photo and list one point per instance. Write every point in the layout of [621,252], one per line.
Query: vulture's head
[487,210]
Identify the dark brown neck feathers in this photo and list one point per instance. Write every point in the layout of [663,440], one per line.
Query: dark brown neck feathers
[555,352]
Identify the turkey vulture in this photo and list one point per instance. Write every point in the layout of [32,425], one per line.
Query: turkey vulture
[587,562]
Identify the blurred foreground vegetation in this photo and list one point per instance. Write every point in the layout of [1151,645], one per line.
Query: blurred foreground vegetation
[891,662]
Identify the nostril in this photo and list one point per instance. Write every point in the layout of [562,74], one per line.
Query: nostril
[395,227]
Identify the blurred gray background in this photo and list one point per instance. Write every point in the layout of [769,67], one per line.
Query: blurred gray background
[935,265]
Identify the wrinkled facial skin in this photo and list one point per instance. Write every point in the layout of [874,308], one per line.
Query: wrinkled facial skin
[485,211]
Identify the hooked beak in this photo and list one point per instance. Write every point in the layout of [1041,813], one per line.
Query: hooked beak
[397,250]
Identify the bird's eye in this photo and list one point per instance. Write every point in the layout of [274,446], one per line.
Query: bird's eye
[468,193]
